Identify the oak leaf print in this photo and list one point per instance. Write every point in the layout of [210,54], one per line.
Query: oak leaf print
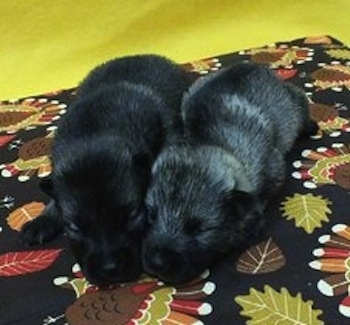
[308,211]
[20,263]
[271,307]
[24,214]
[265,257]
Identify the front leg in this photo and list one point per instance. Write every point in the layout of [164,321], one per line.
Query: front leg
[44,228]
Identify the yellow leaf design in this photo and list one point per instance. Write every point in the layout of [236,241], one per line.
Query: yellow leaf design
[340,54]
[308,211]
[272,307]
[24,214]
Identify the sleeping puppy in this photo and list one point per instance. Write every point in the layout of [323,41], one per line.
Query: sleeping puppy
[102,154]
[208,194]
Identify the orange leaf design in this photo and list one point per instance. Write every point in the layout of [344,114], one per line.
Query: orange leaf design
[24,214]
[263,258]
[19,263]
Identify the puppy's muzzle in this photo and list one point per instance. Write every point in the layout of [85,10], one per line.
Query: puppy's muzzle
[165,263]
[160,260]
[120,266]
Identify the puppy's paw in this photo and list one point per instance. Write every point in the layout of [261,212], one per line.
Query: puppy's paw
[40,231]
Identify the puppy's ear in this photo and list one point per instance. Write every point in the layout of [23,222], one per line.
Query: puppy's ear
[238,201]
[46,185]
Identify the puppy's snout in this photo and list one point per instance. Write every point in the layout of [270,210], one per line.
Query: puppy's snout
[158,261]
[117,262]
[161,261]
[105,268]
[109,267]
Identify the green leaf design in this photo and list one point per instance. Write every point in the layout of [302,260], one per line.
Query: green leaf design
[308,211]
[272,307]
[340,54]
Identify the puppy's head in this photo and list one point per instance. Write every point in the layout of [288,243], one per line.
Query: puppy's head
[99,190]
[195,216]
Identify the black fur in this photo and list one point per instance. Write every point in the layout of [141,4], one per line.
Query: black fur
[102,155]
[208,195]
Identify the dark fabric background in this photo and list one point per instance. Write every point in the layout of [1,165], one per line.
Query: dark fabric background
[37,285]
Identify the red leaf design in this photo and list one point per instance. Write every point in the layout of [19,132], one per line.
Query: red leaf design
[19,263]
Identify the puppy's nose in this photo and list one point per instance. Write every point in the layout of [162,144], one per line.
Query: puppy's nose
[163,262]
[158,261]
[109,267]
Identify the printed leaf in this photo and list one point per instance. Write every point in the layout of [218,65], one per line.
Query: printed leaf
[308,211]
[272,307]
[22,215]
[19,263]
[340,54]
[263,258]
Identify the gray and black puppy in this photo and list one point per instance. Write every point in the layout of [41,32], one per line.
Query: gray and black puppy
[208,193]
[102,156]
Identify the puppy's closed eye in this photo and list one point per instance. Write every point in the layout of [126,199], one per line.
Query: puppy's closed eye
[137,221]
[151,215]
[193,227]
[72,230]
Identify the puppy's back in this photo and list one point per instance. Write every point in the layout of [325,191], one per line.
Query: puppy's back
[136,98]
[215,113]
[269,99]
[156,72]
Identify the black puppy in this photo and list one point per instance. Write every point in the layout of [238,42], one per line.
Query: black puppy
[102,155]
[208,195]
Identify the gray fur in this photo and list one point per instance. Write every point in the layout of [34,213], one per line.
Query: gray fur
[208,193]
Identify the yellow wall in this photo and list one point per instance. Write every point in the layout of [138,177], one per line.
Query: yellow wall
[51,44]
